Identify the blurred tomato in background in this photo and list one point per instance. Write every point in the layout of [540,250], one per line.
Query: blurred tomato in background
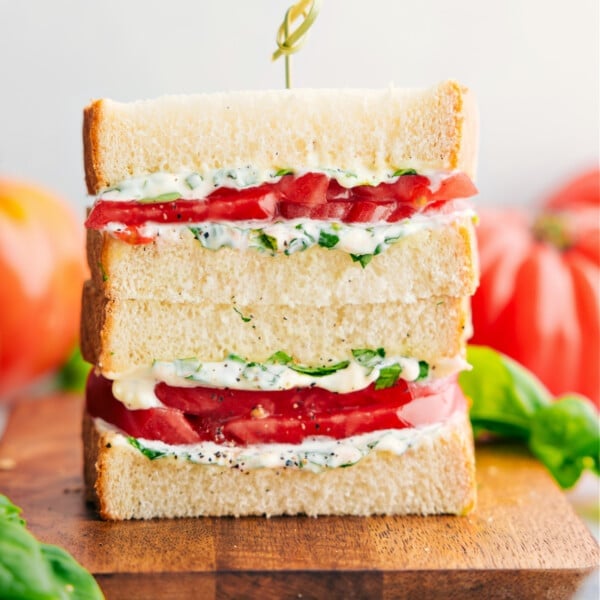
[42,268]
[538,300]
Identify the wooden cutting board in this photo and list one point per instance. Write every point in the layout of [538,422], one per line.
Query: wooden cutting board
[524,540]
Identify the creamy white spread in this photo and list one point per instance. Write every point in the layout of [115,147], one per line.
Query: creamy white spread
[313,454]
[288,237]
[136,388]
[190,185]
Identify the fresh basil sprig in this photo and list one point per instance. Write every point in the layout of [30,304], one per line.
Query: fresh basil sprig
[319,371]
[507,400]
[147,452]
[167,197]
[30,569]
[403,172]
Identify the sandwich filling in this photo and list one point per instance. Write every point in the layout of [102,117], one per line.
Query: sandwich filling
[215,413]
[126,210]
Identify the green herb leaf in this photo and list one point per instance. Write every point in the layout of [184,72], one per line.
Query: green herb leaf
[162,198]
[279,358]
[268,241]
[565,436]
[423,369]
[363,259]
[29,569]
[505,396]
[388,376]
[508,400]
[320,371]
[282,172]
[74,373]
[236,358]
[239,312]
[147,452]
[368,357]
[403,172]
[328,240]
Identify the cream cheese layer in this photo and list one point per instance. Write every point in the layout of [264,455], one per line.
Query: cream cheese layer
[314,454]
[136,389]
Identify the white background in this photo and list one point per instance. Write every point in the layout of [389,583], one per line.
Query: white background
[534,65]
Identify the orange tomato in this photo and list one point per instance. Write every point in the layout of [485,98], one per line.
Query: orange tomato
[42,268]
[539,298]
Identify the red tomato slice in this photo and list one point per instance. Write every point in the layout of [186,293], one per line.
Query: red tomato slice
[246,417]
[309,189]
[368,212]
[309,196]
[335,191]
[132,235]
[334,210]
[205,401]
[458,185]
[167,424]
[291,430]
[402,211]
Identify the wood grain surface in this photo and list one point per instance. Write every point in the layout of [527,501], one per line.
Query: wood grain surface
[524,540]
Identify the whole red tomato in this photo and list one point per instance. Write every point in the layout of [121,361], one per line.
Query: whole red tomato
[538,300]
[41,274]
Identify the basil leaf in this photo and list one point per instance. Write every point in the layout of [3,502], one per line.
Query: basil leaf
[147,452]
[74,372]
[388,376]
[245,319]
[236,358]
[162,198]
[508,400]
[368,357]
[423,369]
[565,437]
[363,259]
[505,396]
[279,358]
[29,569]
[268,241]
[403,172]
[328,240]
[319,371]
[282,172]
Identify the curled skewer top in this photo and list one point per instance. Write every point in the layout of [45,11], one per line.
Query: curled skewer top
[289,42]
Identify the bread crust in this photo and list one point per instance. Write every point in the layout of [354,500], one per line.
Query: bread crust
[378,129]
[92,120]
[434,476]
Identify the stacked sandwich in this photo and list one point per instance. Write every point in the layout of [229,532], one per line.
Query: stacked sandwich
[279,303]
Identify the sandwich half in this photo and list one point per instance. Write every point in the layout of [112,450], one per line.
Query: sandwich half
[279,303]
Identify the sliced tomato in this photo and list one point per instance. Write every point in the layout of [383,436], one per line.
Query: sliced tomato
[335,210]
[291,430]
[258,203]
[312,195]
[309,189]
[457,185]
[132,235]
[205,401]
[247,417]
[368,212]
[402,211]
[167,424]
[335,191]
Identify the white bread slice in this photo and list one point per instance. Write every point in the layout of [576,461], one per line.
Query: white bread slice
[438,261]
[119,335]
[354,130]
[434,476]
